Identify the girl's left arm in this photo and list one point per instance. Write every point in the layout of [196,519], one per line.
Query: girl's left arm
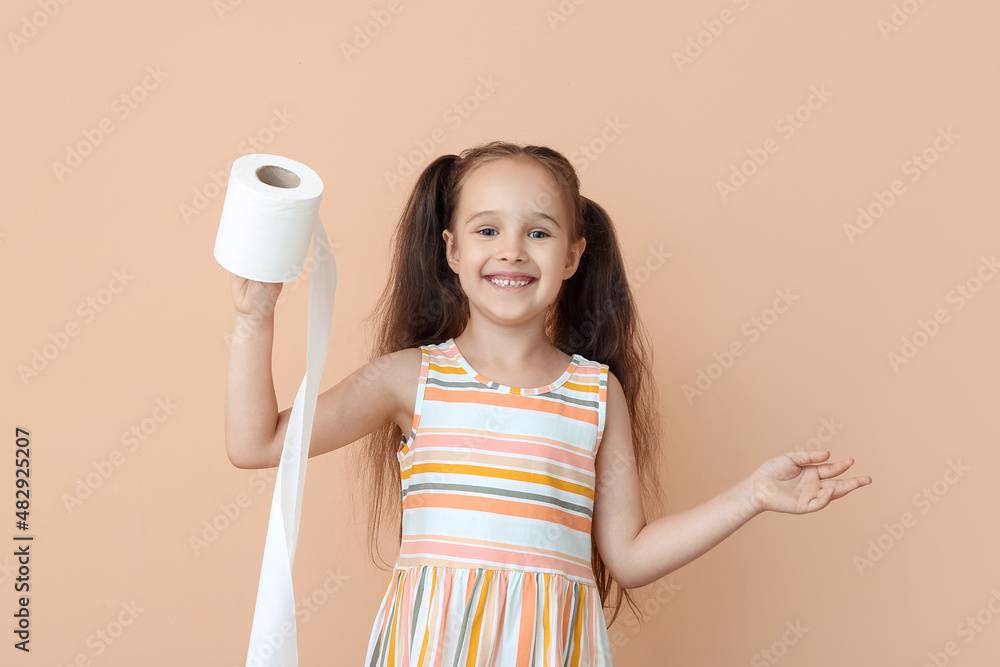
[637,553]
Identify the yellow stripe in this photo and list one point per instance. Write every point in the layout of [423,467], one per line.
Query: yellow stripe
[452,370]
[578,626]
[575,386]
[582,387]
[503,473]
[477,623]
[485,458]
[394,624]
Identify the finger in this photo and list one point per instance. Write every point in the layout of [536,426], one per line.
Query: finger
[842,487]
[828,470]
[802,458]
[822,499]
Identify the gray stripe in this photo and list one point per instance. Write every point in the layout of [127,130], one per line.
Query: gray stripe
[574,638]
[391,613]
[375,653]
[416,602]
[554,395]
[434,486]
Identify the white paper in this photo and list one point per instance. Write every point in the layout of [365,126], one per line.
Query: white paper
[261,238]
[264,230]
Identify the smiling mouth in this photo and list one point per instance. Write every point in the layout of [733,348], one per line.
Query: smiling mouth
[510,285]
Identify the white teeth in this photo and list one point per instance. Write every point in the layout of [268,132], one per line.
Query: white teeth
[508,283]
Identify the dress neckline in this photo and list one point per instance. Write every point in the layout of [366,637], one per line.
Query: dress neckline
[526,391]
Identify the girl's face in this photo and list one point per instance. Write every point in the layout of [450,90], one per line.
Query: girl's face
[512,222]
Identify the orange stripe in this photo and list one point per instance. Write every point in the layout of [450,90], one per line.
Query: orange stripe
[496,506]
[527,621]
[442,395]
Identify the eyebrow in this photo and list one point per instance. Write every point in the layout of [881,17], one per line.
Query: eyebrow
[536,214]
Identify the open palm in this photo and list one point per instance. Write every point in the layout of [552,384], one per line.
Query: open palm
[792,483]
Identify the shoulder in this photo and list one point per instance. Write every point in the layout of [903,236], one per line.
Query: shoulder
[616,438]
[613,381]
[402,366]
[402,372]
[615,396]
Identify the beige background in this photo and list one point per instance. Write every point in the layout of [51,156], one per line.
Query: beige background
[277,73]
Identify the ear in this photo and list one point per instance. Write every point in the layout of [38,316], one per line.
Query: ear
[451,251]
[573,257]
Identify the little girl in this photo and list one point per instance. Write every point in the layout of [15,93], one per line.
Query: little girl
[509,409]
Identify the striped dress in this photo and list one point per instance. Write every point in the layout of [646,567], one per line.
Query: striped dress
[498,483]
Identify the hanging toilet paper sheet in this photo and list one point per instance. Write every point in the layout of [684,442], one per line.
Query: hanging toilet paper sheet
[270,213]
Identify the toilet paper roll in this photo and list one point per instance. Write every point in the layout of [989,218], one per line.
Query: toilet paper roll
[268,217]
[270,212]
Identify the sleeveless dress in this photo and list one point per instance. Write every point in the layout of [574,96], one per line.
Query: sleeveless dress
[498,482]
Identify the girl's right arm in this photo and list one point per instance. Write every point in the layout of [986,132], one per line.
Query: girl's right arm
[381,391]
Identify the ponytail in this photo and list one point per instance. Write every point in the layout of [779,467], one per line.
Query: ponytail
[596,316]
[423,301]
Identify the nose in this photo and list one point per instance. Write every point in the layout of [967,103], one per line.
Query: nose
[511,248]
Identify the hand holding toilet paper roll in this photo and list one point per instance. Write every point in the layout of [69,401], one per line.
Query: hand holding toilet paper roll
[270,213]
[252,298]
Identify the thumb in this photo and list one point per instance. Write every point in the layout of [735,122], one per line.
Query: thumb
[801,458]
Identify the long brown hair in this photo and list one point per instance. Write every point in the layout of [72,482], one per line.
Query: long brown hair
[594,315]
